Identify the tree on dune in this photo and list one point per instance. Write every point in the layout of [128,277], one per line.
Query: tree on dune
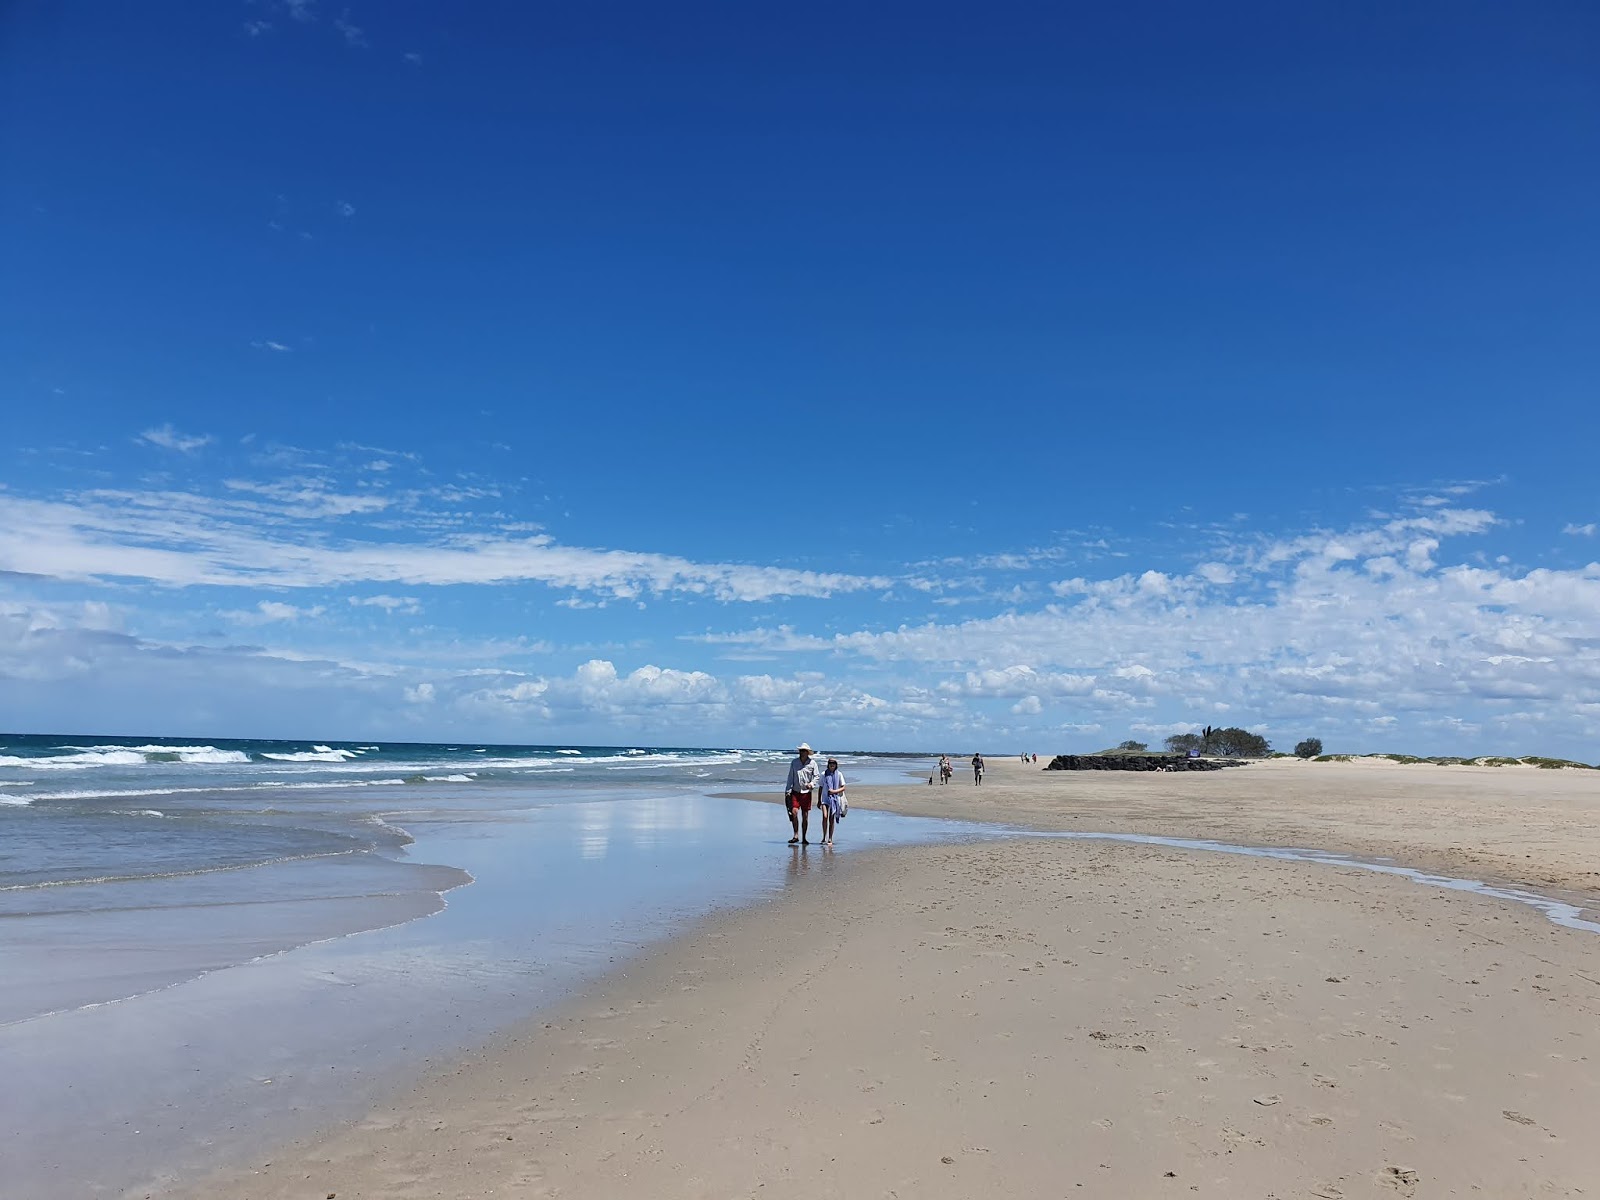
[1309,748]
[1231,742]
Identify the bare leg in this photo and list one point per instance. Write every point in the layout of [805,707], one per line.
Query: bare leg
[794,823]
[805,824]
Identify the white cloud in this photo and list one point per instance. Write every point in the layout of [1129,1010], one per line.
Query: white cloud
[184,540]
[1380,630]
[268,611]
[353,35]
[389,604]
[1349,627]
[1573,530]
[169,438]
[346,209]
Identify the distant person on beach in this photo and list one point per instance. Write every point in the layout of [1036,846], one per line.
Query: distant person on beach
[945,769]
[832,800]
[977,768]
[797,794]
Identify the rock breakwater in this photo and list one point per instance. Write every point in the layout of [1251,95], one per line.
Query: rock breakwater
[1137,762]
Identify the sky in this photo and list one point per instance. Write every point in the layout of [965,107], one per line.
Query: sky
[1015,377]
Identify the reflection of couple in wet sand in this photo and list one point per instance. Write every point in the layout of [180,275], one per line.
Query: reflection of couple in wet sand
[803,779]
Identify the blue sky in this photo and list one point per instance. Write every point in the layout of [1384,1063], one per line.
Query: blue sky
[1025,376]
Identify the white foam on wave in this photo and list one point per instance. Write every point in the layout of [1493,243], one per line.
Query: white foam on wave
[120,794]
[80,761]
[191,754]
[332,785]
[578,752]
[85,758]
[449,778]
[324,754]
[128,793]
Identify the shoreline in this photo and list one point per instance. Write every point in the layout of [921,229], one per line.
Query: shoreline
[1508,826]
[1017,1016]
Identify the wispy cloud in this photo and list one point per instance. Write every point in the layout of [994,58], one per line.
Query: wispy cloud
[352,33]
[1573,530]
[389,604]
[179,539]
[270,611]
[275,347]
[169,438]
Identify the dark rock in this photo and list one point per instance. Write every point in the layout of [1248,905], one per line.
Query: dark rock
[1137,762]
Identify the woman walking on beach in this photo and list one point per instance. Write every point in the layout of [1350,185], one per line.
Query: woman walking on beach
[832,800]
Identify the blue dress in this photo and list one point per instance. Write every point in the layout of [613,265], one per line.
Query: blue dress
[832,780]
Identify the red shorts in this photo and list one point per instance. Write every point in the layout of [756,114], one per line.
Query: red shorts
[800,800]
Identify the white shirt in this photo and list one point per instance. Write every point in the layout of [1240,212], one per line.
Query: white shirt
[802,775]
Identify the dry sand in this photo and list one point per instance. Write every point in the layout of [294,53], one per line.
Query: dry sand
[1509,824]
[1050,1018]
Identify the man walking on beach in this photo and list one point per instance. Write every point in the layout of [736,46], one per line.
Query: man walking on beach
[797,794]
[977,768]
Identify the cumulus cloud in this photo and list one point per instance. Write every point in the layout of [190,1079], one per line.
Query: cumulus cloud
[1396,628]
[1348,628]
[1574,530]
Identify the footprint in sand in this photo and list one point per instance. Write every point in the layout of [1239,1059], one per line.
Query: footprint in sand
[1403,1178]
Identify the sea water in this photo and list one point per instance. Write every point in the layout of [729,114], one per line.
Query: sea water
[207,947]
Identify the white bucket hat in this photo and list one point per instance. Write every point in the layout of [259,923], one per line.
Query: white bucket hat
[806,748]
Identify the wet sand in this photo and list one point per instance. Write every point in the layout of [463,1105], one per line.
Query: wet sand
[1510,824]
[1059,1018]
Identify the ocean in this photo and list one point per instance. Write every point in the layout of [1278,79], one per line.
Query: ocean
[210,945]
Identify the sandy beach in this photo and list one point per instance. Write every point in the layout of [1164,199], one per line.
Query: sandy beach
[1064,1018]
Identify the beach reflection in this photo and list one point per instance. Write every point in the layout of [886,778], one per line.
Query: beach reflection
[559,894]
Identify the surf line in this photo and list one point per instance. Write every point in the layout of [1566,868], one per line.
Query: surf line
[1569,916]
